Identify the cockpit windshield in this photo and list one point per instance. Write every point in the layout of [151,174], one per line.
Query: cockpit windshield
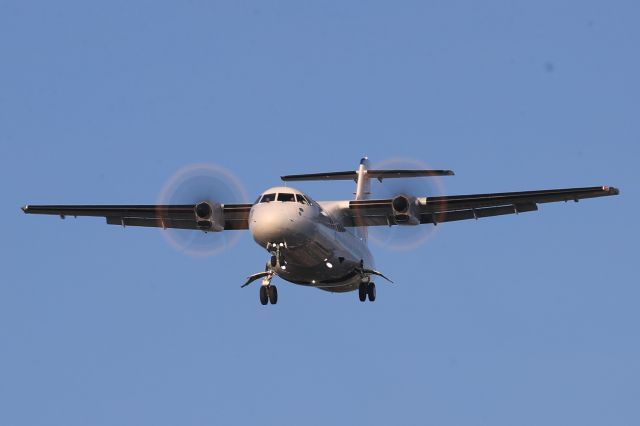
[267,198]
[286,196]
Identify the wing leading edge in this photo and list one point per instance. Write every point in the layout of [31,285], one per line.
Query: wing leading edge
[236,216]
[461,207]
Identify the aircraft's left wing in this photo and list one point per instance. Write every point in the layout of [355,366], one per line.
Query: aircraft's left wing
[183,216]
[408,210]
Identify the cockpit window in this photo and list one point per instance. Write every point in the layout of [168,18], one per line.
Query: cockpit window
[258,199]
[267,198]
[286,196]
[301,199]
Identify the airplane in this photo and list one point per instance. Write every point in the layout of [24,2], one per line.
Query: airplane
[323,244]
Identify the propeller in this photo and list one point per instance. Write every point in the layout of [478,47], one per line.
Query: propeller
[202,184]
[404,237]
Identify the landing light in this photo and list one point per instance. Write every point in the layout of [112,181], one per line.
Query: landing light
[329,265]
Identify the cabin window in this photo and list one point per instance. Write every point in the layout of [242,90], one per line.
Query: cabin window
[267,198]
[286,196]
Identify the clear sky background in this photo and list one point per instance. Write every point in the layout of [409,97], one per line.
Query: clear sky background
[529,320]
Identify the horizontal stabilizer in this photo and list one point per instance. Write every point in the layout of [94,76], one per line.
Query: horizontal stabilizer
[390,174]
[321,176]
[373,174]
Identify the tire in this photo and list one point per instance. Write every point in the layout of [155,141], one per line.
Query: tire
[264,296]
[273,294]
[371,292]
[362,292]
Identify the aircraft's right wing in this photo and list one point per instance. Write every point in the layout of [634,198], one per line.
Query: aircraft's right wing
[236,216]
[404,209]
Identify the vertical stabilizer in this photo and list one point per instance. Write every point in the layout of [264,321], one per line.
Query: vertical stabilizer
[363,186]
[363,189]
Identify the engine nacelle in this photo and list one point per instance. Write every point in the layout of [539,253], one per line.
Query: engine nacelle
[209,216]
[405,210]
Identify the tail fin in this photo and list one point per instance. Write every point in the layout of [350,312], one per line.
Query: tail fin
[363,186]
[363,190]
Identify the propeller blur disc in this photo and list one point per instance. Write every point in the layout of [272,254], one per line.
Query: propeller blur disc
[404,237]
[195,183]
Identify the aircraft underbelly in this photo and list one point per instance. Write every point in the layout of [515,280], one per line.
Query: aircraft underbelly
[330,260]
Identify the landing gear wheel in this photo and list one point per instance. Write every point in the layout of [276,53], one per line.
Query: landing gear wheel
[273,294]
[362,292]
[371,292]
[264,295]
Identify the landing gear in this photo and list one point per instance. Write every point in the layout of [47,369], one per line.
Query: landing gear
[264,295]
[367,290]
[277,257]
[273,294]
[362,291]
[268,293]
[371,292]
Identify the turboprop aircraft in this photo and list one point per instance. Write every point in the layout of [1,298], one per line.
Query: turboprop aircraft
[323,244]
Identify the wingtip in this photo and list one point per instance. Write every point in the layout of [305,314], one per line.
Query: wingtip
[24,208]
[611,190]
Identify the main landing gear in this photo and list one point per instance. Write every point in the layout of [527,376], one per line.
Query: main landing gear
[367,290]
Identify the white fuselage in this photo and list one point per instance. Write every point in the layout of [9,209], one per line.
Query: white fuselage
[317,250]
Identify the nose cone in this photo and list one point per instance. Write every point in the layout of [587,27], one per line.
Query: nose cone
[279,223]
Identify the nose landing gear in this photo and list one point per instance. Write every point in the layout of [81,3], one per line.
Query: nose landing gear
[367,290]
[268,292]
[273,294]
[277,257]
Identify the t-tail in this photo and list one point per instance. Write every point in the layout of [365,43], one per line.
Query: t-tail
[362,178]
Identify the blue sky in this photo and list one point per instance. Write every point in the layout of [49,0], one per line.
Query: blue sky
[529,319]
